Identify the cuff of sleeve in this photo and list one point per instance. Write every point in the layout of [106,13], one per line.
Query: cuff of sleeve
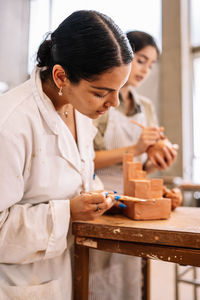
[60,218]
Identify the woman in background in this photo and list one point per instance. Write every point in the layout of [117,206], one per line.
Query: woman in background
[117,135]
[118,275]
[46,153]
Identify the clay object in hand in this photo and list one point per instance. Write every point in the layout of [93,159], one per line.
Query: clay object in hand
[158,148]
[175,195]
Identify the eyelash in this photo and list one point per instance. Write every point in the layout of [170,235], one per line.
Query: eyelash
[99,96]
[142,62]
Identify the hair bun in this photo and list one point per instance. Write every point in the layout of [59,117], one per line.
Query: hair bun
[44,54]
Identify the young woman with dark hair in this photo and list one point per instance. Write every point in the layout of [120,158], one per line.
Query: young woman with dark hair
[46,153]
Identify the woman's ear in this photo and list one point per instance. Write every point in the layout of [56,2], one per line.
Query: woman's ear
[59,76]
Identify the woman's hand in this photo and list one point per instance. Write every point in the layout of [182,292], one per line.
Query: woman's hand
[165,158]
[89,206]
[148,137]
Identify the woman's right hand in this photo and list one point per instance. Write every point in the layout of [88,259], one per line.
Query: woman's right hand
[89,206]
[148,137]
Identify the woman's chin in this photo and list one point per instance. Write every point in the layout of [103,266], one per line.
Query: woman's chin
[133,83]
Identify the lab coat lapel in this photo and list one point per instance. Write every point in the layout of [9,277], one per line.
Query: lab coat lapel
[68,147]
[85,134]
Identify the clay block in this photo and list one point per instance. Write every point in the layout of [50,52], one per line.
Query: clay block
[157,209]
[135,171]
[139,189]
[127,158]
[156,188]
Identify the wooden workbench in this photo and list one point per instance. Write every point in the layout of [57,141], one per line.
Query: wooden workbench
[175,240]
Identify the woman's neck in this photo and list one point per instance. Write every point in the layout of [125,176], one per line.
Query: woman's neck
[64,110]
[51,91]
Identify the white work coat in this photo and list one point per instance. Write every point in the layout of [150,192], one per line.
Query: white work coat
[41,169]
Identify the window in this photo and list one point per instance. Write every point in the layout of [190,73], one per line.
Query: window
[39,26]
[195,23]
[46,15]
[195,41]
[196,119]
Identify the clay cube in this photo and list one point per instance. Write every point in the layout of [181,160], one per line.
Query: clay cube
[135,171]
[156,188]
[157,209]
[138,188]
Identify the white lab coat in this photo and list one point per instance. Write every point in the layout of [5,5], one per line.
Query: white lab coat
[41,169]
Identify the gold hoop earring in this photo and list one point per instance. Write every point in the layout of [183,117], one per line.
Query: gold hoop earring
[60,93]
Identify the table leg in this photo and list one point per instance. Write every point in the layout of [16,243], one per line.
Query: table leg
[81,272]
[145,279]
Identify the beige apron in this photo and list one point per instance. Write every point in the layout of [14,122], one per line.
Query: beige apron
[120,132]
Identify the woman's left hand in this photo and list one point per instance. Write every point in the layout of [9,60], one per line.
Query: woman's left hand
[90,205]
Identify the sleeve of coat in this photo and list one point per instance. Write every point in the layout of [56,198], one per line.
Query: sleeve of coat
[28,233]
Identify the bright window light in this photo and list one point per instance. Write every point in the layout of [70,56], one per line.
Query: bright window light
[195,22]
[196,120]
[39,26]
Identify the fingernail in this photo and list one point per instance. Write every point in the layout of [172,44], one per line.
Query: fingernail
[115,192]
[122,205]
[106,194]
[117,197]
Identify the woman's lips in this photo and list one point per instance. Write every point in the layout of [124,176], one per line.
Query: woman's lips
[101,112]
[138,78]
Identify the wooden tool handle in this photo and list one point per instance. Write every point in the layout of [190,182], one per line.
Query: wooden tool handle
[137,123]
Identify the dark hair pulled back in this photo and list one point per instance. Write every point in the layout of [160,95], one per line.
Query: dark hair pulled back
[140,40]
[85,44]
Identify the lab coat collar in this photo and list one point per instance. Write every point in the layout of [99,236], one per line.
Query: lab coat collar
[85,134]
[44,103]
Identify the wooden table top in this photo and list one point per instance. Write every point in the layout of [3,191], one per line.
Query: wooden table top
[187,186]
[182,229]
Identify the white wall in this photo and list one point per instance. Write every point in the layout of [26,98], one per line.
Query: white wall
[151,89]
[14,30]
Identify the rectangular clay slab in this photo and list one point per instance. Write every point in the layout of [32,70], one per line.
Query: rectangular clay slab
[155,209]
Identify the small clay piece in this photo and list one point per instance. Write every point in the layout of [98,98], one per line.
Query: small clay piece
[176,196]
[158,148]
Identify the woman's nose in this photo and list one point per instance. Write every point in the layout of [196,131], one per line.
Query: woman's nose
[114,100]
[145,69]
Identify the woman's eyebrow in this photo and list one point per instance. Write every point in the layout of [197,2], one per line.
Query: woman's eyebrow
[146,57]
[143,55]
[103,88]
